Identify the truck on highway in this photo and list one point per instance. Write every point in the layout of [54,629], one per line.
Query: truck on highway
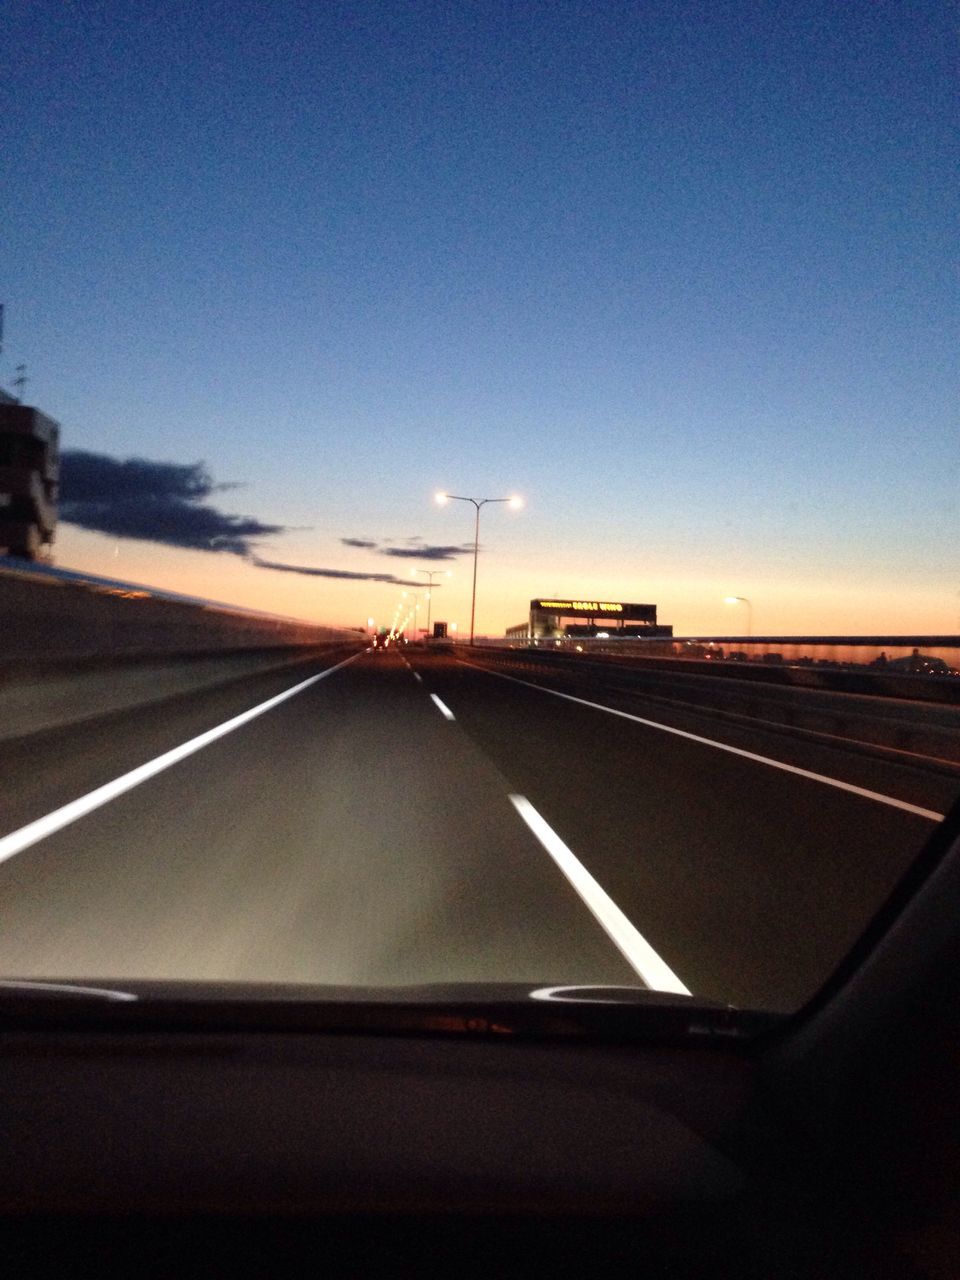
[29,476]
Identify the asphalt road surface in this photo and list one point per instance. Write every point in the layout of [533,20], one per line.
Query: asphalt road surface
[416,817]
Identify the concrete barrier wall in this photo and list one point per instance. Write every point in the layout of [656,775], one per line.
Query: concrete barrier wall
[74,649]
[57,619]
[35,698]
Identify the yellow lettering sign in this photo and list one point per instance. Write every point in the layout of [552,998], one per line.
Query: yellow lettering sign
[581,606]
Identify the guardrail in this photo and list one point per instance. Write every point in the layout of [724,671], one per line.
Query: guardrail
[920,667]
[907,728]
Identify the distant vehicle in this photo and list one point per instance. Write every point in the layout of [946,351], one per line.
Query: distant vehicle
[29,475]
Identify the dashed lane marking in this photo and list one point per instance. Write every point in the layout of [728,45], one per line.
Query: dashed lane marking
[637,951]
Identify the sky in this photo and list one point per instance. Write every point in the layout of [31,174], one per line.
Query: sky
[683,275]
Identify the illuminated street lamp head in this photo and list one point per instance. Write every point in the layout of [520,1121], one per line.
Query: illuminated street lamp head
[442,498]
[516,502]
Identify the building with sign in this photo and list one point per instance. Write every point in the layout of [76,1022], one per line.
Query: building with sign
[553,618]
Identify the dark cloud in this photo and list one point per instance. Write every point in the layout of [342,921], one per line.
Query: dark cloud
[346,574]
[153,501]
[95,477]
[412,549]
[422,551]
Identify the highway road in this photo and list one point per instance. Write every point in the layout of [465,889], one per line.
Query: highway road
[394,818]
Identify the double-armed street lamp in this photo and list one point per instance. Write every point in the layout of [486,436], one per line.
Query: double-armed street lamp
[430,574]
[443,498]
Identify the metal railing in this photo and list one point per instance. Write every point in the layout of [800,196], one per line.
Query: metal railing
[893,654]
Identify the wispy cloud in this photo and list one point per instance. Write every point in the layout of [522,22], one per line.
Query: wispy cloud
[410,548]
[423,551]
[152,501]
[312,571]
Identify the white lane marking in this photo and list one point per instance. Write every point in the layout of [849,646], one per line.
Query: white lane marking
[418,677]
[36,831]
[637,951]
[64,988]
[444,709]
[930,814]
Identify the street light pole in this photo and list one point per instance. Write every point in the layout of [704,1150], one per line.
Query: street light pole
[430,574]
[443,498]
[416,613]
[742,600]
[476,552]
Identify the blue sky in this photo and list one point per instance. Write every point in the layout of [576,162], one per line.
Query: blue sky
[683,274]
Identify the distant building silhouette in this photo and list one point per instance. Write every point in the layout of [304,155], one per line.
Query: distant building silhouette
[29,477]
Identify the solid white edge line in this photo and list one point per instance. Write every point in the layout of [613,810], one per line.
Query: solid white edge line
[444,709]
[33,832]
[638,953]
[866,794]
[63,988]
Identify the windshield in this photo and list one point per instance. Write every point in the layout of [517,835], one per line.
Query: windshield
[477,491]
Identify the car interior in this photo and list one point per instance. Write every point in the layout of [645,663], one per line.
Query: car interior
[152,1129]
